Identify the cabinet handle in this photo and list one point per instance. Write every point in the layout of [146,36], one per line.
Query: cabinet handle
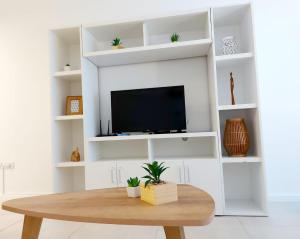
[188,172]
[180,175]
[112,175]
[119,176]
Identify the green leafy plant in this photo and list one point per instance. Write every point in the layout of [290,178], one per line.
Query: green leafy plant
[67,64]
[116,42]
[174,37]
[155,171]
[133,182]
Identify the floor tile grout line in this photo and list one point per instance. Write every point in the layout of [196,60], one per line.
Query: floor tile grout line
[75,231]
[244,228]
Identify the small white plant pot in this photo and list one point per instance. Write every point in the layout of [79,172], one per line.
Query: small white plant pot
[134,192]
[67,68]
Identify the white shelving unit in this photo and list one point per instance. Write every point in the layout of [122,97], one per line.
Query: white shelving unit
[148,60]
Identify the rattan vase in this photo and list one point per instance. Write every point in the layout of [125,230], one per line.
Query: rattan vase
[236,137]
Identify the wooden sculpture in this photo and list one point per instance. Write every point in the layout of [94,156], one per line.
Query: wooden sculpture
[75,157]
[232,89]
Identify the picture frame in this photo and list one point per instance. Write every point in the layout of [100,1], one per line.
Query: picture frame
[74,105]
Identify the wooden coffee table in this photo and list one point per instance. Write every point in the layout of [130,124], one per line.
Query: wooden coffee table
[112,206]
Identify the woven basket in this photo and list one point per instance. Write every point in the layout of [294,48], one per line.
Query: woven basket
[236,138]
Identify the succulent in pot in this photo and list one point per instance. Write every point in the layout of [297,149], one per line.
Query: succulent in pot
[175,37]
[133,189]
[117,44]
[67,67]
[155,190]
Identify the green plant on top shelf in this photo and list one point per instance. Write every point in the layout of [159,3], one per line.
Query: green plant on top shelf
[133,182]
[175,37]
[116,42]
[155,171]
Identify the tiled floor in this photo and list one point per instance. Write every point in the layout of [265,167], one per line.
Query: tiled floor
[283,223]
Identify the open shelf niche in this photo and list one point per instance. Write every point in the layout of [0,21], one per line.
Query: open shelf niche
[122,150]
[244,76]
[193,148]
[244,189]
[233,21]
[189,27]
[251,120]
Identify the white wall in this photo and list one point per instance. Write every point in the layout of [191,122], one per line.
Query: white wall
[25,95]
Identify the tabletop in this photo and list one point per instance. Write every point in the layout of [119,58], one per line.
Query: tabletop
[112,206]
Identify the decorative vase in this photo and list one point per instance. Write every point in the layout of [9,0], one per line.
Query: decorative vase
[117,47]
[230,45]
[236,138]
[134,192]
[159,194]
[67,68]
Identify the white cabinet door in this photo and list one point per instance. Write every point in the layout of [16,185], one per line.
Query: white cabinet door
[175,172]
[101,175]
[205,174]
[129,168]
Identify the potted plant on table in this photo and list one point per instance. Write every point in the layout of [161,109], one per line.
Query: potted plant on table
[156,191]
[133,189]
[117,44]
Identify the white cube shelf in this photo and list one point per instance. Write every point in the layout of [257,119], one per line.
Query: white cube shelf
[233,21]
[189,27]
[150,60]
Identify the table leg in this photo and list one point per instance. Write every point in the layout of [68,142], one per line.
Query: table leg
[174,232]
[31,227]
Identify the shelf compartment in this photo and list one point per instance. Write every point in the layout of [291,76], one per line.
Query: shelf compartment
[154,136]
[69,117]
[241,159]
[237,107]
[99,38]
[244,75]
[161,52]
[189,27]
[67,136]
[113,150]
[62,89]
[233,21]
[184,148]
[73,75]
[69,179]
[70,164]
[65,48]
[244,189]
[252,123]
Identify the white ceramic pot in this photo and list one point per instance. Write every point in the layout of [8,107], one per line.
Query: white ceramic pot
[67,68]
[134,192]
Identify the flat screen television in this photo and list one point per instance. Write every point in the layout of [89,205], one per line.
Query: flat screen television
[155,110]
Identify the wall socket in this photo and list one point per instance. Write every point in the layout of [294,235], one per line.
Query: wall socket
[7,165]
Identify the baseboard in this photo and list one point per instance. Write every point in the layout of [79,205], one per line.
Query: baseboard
[284,198]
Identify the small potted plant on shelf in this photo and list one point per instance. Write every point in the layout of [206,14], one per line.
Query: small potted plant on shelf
[174,37]
[117,44]
[156,191]
[67,67]
[133,189]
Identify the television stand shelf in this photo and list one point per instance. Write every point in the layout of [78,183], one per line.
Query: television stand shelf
[154,136]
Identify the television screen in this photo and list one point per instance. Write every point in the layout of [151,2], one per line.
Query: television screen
[153,109]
